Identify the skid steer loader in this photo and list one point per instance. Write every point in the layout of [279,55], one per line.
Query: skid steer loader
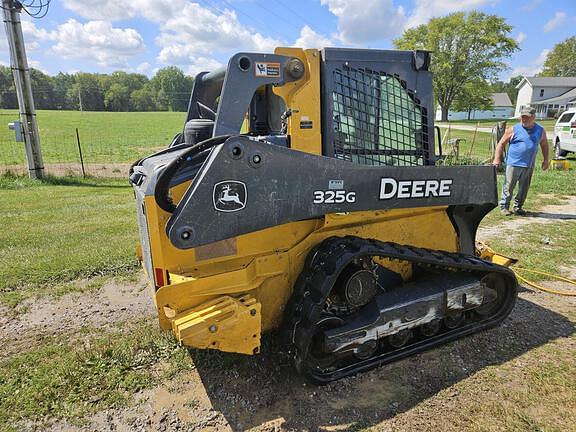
[303,195]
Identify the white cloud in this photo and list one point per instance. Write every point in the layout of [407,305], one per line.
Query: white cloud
[361,21]
[364,21]
[202,64]
[143,67]
[114,10]
[310,39]
[37,65]
[558,19]
[34,35]
[531,6]
[426,9]
[534,67]
[184,42]
[521,37]
[191,36]
[99,41]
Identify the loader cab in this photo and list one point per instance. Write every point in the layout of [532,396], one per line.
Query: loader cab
[370,107]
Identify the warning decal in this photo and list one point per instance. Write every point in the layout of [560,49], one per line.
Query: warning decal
[265,69]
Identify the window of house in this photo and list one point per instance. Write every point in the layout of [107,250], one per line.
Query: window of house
[541,92]
[556,106]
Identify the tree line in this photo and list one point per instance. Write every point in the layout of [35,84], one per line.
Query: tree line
[168,90]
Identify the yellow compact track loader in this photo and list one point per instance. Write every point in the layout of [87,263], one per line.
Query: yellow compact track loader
[303,194]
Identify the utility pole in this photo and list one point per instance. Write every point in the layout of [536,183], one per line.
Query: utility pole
[21,73]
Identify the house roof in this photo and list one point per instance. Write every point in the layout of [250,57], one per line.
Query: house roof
[569,96]
[501,100]
[548,82]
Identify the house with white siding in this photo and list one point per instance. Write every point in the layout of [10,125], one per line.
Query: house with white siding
[549,95]
[502,108]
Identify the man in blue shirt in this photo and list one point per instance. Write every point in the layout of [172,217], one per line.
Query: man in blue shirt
[523,140]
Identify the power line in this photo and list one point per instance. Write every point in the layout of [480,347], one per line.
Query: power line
[40,7]
[304,20]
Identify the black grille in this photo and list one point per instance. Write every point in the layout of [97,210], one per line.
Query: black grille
[377,120]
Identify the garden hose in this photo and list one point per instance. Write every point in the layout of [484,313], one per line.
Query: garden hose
[541,288]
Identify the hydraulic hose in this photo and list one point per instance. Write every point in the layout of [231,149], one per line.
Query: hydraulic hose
[161,192]
[541,288]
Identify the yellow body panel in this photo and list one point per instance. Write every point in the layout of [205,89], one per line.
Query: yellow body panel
[268,262]
[303,98]
[225,323]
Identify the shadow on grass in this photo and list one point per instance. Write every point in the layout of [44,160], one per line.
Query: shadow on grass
[250,391]
[84,181]
[14,181]
[554,216]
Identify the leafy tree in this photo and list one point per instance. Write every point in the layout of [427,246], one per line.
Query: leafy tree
[118,91]
[508,87]
[8,97]
[117,98]
[465,48]
[87,87]
[475,95]
[144,99]
[561,61]
[61,84]
[173,88]
[43,89]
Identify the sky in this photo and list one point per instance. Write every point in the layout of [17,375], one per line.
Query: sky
[200,35]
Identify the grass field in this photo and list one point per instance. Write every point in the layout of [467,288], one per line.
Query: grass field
[60,229]
[106,137]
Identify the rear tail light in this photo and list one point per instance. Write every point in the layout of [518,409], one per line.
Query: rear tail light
[573,125]
[159,273]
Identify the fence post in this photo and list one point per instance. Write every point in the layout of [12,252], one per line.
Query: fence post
[80,152]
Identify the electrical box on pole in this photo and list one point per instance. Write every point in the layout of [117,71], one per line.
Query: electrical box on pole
[21,74]
[16,126]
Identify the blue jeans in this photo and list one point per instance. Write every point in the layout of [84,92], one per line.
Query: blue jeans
[520,175]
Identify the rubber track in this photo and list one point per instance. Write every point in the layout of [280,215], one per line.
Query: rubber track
[322,267]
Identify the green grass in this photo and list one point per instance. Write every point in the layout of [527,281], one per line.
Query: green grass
[106,137]
[547,188]
[57,380]
[61,229]
[544,247]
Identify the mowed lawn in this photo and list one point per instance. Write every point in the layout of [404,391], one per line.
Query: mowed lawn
[58,230]
[106,137]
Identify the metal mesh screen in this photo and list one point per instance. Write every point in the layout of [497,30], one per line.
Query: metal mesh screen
[377,120]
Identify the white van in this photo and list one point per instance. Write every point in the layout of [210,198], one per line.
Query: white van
[565,133]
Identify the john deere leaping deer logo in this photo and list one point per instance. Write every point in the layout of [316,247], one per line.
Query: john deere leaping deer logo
[229,196]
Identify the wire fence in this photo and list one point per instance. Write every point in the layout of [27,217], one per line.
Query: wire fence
[472,144]
[66,155]
[85,150]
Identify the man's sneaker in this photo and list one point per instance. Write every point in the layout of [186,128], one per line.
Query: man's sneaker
[520,212]
[505,212]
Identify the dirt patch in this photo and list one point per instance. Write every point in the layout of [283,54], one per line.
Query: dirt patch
[65,169]
[114,302]
[437,390]
[548,214]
